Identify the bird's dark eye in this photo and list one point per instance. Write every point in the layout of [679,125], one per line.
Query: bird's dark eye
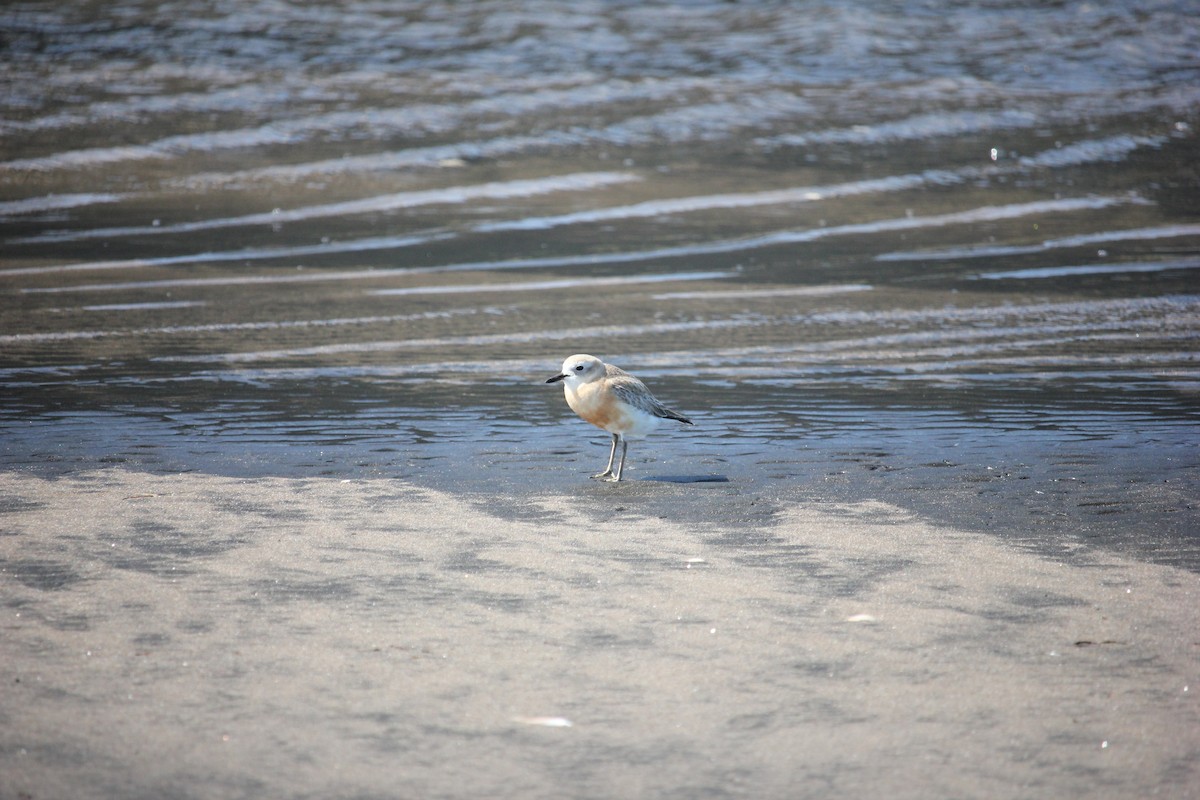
[579,367]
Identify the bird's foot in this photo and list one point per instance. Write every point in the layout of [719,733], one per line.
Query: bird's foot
[606,475]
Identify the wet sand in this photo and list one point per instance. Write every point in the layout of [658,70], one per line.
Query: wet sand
[202,636]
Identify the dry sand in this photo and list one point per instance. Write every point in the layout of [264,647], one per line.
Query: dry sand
[208,637]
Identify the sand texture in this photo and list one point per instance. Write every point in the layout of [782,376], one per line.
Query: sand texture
[199,636]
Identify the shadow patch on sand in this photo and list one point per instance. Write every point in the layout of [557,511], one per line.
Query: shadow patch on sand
[42,574]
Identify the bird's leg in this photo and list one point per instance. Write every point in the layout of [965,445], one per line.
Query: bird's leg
[621,466]
[611,453]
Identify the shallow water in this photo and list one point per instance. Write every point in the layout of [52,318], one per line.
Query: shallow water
[354,238]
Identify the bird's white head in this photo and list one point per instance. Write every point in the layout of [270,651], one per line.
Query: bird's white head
[580,369]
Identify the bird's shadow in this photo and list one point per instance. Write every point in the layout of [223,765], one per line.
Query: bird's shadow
[686,478]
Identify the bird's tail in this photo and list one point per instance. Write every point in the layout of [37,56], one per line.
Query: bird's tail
[669,414]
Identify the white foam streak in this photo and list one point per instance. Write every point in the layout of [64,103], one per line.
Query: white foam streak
[1081,240]
[55,202]
[607,332]
[749,294]
[431,156]
[383,123]
[1087,269]
[1079,153]
[500,190]
[684,205]
[983,214]
[921,126]
[161,306]
[565,283]
[226,327]
[248,254]
[973,216]
[639,132]
[1044,313]
[1114,148]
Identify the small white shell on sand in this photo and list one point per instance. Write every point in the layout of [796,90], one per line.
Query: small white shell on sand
[546,722]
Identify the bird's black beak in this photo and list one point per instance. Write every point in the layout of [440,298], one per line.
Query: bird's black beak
[556,379]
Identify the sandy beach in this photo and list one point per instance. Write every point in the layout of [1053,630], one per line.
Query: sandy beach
[202,636]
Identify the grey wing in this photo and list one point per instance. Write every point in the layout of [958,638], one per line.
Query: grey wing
[632,391]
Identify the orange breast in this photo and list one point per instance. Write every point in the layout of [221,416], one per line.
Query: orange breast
[596,406]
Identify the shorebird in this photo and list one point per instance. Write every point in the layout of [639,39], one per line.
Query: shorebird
[612,399]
